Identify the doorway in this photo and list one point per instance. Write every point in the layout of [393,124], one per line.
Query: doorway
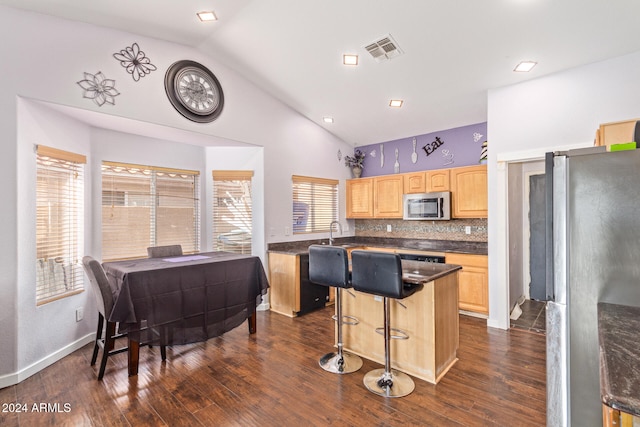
[527,265]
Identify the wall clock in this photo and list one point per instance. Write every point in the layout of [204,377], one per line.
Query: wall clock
[194,91]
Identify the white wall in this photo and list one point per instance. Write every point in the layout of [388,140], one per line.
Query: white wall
[109,145]
[51,328]
[528,119]
[144,129]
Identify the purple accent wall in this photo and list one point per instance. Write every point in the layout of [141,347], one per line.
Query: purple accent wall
[456,147]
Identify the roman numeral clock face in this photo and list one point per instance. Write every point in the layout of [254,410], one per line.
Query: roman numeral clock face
[194,91]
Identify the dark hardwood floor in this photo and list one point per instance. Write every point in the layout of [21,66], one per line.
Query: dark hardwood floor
[272,378]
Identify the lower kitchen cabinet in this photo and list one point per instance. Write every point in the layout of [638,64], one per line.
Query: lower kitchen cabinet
[615,418]
[429,317]
[473,282]
[290,291]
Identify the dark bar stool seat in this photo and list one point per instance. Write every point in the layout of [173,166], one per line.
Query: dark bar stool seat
[329,266]
[380,273]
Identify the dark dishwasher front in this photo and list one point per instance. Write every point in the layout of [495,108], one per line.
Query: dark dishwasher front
[312,296]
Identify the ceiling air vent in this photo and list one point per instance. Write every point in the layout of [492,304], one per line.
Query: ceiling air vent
[384,49]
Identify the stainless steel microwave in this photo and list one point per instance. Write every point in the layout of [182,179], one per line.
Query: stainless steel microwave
[434,206]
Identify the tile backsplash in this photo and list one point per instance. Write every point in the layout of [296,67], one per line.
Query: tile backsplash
[435,230]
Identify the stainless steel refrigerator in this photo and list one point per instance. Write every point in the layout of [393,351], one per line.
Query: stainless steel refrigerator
[593,255]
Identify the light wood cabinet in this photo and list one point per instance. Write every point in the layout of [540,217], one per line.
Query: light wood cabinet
[290,291]
[427,181]
[378,197]
[473,282]
[359,198]
[429,317]
[615,418]
[284,283]
[469,192]
[387,196]
[438,180]
[616,132]
[381,196]
[415,182]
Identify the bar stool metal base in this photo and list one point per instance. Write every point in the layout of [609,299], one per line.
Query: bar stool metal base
[337,363]
[400,384]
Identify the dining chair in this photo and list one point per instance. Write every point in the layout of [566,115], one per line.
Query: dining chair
[104,299]
[164,251]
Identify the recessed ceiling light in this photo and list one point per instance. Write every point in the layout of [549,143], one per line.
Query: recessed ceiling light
[396,103]
[327,119]
[207,16]
[525,66]
[349,59]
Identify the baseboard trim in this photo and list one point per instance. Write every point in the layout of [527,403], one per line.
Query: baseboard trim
[17,377]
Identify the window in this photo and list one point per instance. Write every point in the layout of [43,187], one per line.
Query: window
[59,224]
[315,204]
[146,206]
[232,215]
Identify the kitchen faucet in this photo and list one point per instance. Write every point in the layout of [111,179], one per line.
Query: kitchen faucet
[331,231]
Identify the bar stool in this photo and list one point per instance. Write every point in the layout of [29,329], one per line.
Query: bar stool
[380,273]
[329,266]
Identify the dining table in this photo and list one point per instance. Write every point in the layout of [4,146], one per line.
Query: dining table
[184,299]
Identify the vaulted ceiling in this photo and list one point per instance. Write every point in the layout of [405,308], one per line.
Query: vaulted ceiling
[452,52]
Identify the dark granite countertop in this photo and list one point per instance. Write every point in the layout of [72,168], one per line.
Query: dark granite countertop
[442,246]
[619,337]
[417,272]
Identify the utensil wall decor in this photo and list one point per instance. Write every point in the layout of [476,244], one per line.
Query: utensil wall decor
[396,165]
[414,155]
[442,149]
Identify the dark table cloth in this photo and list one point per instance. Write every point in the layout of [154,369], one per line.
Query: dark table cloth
[186,299]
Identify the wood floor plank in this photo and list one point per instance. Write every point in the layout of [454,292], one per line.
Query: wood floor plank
[272,378]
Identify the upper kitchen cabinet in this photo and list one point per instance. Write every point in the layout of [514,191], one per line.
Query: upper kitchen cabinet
[426,182]
[387,192]
[360,198]
[378,197]
[415,182]
[438,180]
[469,192]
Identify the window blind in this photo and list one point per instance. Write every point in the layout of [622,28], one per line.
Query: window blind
[315,204]
[232,212]
[146,206]
[59,223]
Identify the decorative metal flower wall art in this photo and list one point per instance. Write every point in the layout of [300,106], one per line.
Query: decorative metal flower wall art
[98,88]
[135,61]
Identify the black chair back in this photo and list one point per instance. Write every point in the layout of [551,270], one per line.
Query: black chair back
[379,273]
[164,251]
[100,284]
[329,266]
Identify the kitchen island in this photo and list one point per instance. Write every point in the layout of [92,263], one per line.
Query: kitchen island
[473,289]
[429,317]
